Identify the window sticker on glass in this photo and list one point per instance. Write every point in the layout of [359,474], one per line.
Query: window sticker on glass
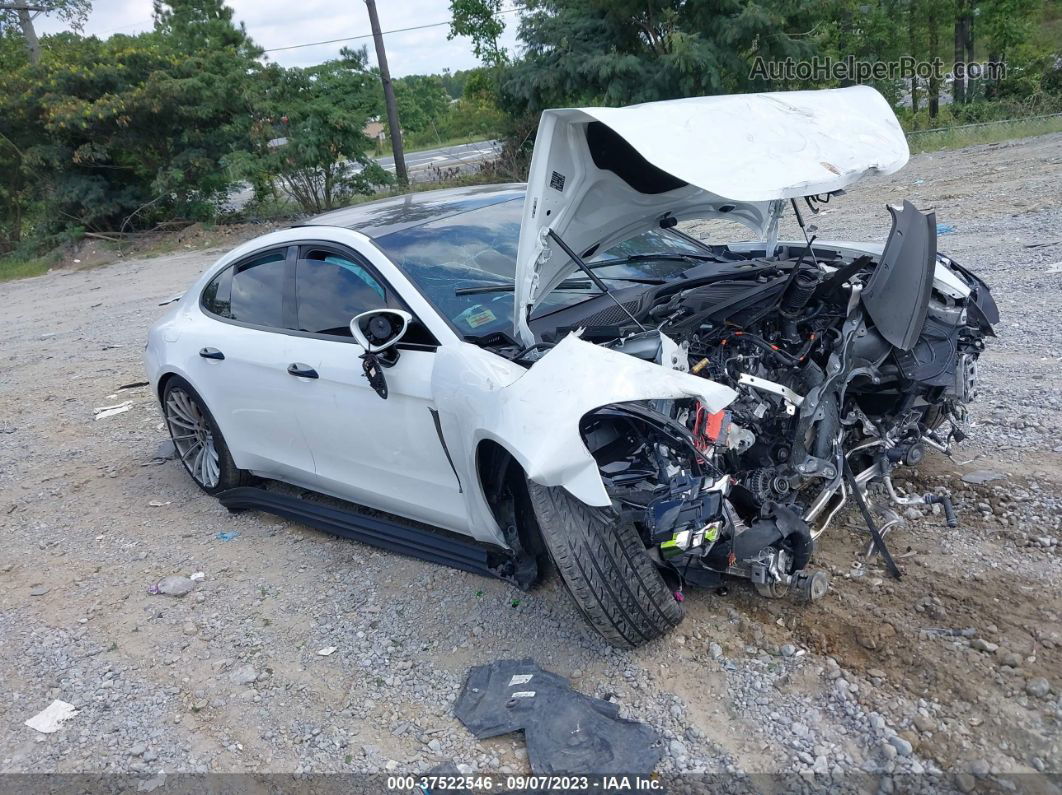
[478,315]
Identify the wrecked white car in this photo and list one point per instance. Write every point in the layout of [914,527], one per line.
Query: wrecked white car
[499,377]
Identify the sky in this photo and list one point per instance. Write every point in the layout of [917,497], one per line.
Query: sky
[281,23]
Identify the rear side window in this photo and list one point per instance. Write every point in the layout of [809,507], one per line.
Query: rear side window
[331,289]
[216,295]
[257,294]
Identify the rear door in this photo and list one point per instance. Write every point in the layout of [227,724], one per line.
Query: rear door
[387,454]
[243,349]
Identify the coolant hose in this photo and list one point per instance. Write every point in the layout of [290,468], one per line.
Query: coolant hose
[944,501]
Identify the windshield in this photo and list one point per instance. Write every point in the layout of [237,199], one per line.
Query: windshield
[466,264]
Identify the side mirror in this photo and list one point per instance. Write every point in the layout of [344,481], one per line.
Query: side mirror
[379,329]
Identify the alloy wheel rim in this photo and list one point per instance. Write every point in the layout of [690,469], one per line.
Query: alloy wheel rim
[193,438]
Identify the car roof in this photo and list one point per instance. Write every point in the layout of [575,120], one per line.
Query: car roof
[379,218]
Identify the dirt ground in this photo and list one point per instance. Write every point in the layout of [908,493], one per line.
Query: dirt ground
[948,678]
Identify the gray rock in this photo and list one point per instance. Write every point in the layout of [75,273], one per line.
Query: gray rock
[924,724]
[678,749]
[244,675]
[787,650]
[175,585]
[980,768]
[1038,687]
[715,650]
[39,590]
[980,644]
[981,476]
[1011,660]
[903,748]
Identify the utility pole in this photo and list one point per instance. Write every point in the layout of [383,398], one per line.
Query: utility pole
[25,22]
[389,96]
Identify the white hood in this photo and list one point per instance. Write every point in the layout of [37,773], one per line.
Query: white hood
[735,157]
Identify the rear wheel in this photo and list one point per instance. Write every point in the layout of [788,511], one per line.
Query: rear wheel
[200,446]
[605,567]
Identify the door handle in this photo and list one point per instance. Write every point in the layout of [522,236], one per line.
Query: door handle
[211,353]
[301,370]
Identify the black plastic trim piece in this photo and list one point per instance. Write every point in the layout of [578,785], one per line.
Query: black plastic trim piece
[897,294]
[429,545]
[442,441]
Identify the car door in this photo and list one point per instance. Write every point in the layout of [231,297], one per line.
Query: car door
[242,349]
[387,454]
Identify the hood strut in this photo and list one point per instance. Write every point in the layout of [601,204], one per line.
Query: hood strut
[590,272]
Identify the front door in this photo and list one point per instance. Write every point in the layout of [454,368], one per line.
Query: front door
[387,454]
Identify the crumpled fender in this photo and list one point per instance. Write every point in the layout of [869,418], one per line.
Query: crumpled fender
[535,413]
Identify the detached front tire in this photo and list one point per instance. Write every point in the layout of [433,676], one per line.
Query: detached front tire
[606,569]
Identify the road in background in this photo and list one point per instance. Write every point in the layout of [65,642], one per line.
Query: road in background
[463,157]
[424,166]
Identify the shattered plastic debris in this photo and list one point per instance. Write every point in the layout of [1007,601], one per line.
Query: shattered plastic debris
[51,718]
[110,411]
[945,229]
[172,299]
[174,585]
[326,651]
[133,385]
[565,731]
[158,503]
[228,535]
[197,576]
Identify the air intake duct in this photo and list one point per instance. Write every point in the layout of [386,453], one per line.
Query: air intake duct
[800,291]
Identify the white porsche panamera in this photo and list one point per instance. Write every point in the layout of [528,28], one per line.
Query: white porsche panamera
[556,374]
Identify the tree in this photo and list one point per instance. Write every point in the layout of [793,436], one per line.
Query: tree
[422,101]
[118,134]
[623,51]
[1006,26]
[23,12]
[480,21]
[308,133]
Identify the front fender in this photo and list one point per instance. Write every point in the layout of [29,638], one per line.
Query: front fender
[535,413]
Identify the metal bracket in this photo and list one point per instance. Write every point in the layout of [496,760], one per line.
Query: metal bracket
[793,400]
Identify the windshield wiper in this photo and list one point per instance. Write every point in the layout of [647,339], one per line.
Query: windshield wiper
[570,284]
[604,263]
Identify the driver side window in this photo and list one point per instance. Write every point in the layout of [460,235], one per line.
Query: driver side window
[330,289]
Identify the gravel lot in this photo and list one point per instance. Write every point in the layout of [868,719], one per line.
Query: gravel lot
[946,679]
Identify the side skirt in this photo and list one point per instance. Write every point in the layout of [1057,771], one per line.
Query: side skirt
[434,546]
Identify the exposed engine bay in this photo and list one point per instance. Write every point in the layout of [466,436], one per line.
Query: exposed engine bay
[846,366]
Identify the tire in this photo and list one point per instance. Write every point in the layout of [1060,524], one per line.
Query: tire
[205,456]
[605,568]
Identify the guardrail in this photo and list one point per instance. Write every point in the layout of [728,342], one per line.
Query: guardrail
[982,124]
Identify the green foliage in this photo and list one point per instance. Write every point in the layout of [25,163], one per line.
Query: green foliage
[120,133]
[307,134]
[623,51]
[422,100]
[480,21]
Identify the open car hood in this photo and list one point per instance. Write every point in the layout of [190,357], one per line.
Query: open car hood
[602,175]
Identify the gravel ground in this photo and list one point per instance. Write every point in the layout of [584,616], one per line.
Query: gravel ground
[946,679]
